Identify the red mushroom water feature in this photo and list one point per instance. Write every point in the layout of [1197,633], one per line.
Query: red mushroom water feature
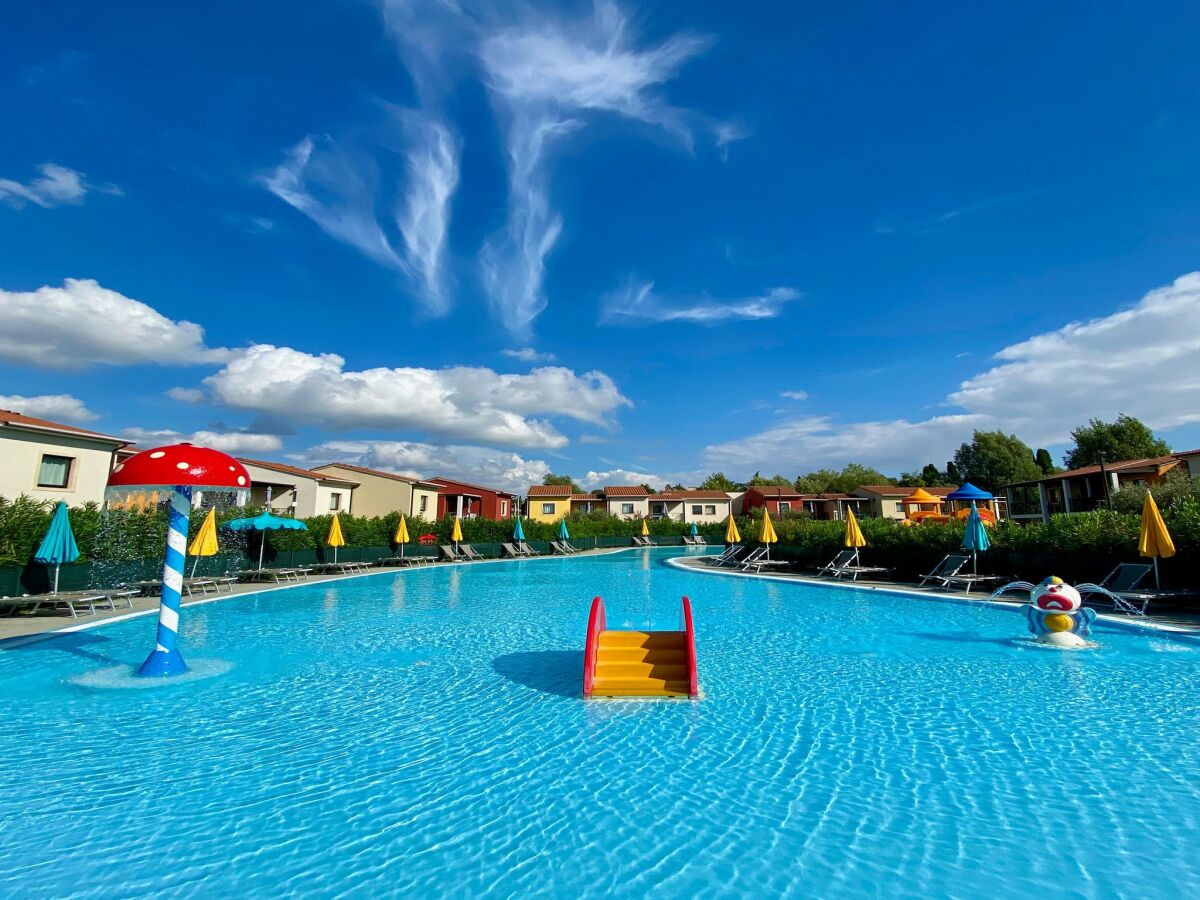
[179,468]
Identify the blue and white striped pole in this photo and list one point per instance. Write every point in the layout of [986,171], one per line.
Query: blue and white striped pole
[166,659]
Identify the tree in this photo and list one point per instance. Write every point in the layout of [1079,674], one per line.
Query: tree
[953,476]
[1045,461]
[674,487]
[853,475]
[649,490]
[1126,438]
[776,480]
[994,459]
[718,482]
[565,480]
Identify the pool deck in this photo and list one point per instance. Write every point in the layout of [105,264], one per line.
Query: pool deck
[22,628]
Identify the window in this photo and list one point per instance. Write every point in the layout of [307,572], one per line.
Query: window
[660,509]
[335,502]
[424,502]
[710,509]
[900,508]
[697,509]
[627,509]
[547,509]
[55,471]
[784,505]
[504,509]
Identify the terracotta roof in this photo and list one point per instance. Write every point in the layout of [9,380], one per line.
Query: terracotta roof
[831,495]
[365,471]
[1152,462]
[773,490]
[892,490]
[596,497]
[625,490]
[285,469]
[442,481]
[549,490]
[17,420]
[691,495]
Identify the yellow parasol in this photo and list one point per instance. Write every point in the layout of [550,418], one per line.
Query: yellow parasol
[1154,539]
[456,535]
[334,539]
[766,534]
[205,542]
[732,535]
[854,536]
[645,529]
[400,538]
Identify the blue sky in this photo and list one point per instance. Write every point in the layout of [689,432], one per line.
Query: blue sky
[626,242]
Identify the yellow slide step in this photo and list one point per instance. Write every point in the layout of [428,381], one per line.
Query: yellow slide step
[641,664]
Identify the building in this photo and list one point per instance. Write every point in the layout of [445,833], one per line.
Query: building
[627,502]
[297,492]
[549,502]
[775,499]
[701,507]
[469,501]
[833,505]
[1087,488]
[381,493]
[886,501]
[50,461]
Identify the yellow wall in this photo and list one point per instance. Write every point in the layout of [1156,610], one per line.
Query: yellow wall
[561,505]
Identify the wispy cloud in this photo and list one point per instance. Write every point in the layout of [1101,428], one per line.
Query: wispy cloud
[57,185]
[546,79]
[530,355]
[228,441]
[55,407]
[637,302]
[794,395]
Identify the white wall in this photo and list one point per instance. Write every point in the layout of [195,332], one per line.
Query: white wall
[21,457]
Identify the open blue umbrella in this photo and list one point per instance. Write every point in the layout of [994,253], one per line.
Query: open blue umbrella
[975,538]
[563,534]
[58,546]
[519,532]
[265,521]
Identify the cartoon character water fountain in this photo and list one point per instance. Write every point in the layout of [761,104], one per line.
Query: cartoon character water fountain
[1057,616]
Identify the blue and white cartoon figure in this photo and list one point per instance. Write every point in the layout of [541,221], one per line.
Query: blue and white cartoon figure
[1057,616]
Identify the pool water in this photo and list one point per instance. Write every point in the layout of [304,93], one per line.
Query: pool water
[421,733]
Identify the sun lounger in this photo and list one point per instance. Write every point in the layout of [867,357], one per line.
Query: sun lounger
[846,565]
[67,600]
[557,547]
[569,548]
[526,550]
[275,575]
[751,558]
[730,556]
[944,571]
[448,552]
[967,582]
[470,552]
[510,550]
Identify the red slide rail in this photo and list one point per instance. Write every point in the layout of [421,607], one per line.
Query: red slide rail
[689,641]
[596,624]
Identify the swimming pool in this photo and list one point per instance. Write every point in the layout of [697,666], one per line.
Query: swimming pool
[421,733]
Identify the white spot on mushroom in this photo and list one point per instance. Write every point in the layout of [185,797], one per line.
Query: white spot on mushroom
[181,465]
[241,479]
[157,454]
[232,469]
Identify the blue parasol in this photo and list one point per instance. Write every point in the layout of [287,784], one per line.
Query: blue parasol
[975,538]
[58,546]
[265,521]
[519,532]
[563,534]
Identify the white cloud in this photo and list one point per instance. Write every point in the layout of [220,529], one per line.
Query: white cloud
[185,395]
[593,480]
[637,302]
[460,402]
[794,395]
[55,186]
[82,324]
[226,441]
[1144,361]
[530,355]
[55,407]
[339,184]
[728,133]
[481,465]
[546,78]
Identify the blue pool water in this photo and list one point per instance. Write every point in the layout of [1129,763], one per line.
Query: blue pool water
[421,734]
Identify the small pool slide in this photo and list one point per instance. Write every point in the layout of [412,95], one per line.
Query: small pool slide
[639,663]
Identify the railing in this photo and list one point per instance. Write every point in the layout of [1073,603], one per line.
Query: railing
[690,649]
[596,624]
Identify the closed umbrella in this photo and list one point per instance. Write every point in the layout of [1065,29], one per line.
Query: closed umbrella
[456,535]
[975,538]
[854,537]
[563,534]
[695,531]
[519,531]
[265,522]
[335,539]
[1154,539]
[58,546]
[732,535]
[205,542]
[645,528]
[766,534]
[400,538]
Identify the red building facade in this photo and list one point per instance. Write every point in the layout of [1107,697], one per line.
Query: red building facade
[469,501]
